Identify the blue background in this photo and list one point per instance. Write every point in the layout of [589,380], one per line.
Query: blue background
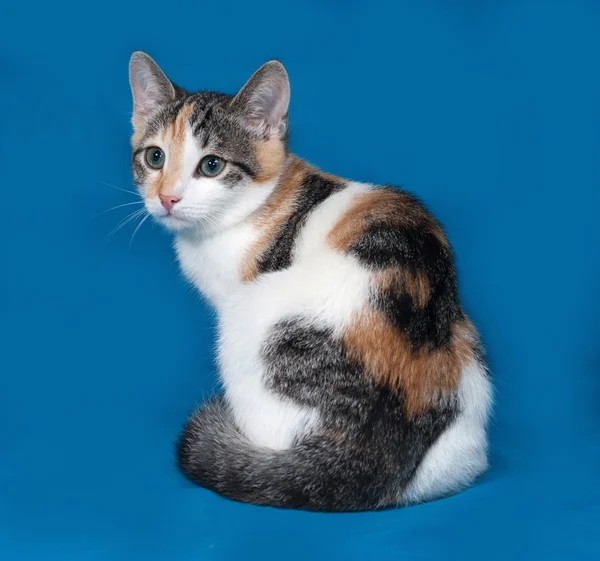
[490,111]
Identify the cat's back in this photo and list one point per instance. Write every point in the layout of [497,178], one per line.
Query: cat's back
[311,211]
[369,263]
[335,234]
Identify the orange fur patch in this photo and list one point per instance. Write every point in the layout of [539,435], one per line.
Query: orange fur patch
[384,206]
[425,378]
[270,155]
[172,141]
[276,210]
[175,137]
[401,281]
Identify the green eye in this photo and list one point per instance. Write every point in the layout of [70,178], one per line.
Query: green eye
[155,157]
[211,166]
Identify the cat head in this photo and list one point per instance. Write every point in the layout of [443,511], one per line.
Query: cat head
[204,161]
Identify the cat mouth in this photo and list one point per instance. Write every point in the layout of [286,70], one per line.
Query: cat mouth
[175,221]
[172,221]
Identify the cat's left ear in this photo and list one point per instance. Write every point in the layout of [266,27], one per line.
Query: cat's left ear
[262,104]
[149,86]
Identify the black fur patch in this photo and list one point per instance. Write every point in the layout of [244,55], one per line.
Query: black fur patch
[202,118]
[363,456]
[307,364]
[139,172]
[314,190]
[246,169]
[416,249]
[232,178]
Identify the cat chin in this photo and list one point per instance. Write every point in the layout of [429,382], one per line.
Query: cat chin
[174,224]
[177,225]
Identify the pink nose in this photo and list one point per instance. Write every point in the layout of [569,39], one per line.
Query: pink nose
[168,201]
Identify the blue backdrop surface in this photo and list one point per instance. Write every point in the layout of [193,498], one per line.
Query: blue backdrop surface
[489,111]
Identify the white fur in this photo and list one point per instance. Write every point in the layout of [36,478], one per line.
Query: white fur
[213,264]
[460,454]
[322,284]
[329,299]
[322,219]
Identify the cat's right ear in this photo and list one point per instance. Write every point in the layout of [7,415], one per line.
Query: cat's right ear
[149,86]
[262,104]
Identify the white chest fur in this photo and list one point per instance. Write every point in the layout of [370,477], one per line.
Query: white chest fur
[325,286]
[213,264]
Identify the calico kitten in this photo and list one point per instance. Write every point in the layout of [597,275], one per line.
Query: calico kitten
[352,377]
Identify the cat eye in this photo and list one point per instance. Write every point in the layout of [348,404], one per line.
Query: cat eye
[155,157]
[211,166]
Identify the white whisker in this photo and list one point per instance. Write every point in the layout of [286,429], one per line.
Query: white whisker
[213,218]
[118,188]
[137,228]
[125,221]
[120,206]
